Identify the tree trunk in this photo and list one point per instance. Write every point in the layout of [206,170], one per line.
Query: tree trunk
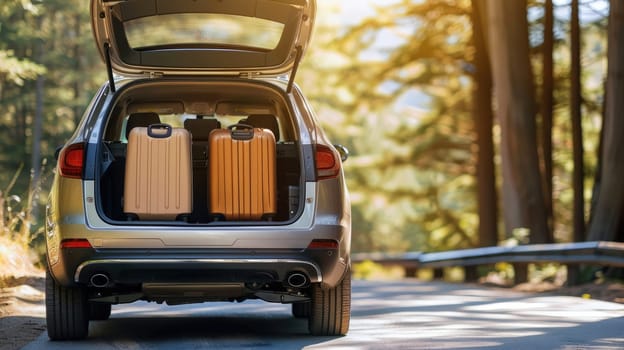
[32,211]
[483,120]
[607,222]
[547,115]
[598,173]
[578,215]
[577,129]
[76,86]
[523,199]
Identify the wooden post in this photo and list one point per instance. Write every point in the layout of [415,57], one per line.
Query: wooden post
[410,272]
[471,274]
[521,273]
[574,275]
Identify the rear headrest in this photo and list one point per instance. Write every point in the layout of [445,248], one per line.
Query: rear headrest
[200,128]
[264,121]
[143,119]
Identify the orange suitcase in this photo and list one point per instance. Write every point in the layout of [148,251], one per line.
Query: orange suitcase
[242,173]
[158,179]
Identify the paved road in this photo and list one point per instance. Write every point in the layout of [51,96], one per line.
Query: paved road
[386,315]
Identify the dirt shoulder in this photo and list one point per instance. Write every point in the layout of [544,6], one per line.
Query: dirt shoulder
[22,310]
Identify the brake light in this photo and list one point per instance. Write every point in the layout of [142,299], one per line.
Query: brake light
[323,244]
[75,243]
[327,163]
[71,161]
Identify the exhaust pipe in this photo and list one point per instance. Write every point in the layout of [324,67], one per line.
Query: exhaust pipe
[297,280]
[100,280]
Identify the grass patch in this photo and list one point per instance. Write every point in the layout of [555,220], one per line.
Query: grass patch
[18,257]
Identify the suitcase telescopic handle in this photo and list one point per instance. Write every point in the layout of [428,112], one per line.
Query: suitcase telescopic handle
[241,131]
[159,131]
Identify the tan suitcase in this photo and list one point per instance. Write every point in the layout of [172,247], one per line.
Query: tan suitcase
[242,173]
[158,179]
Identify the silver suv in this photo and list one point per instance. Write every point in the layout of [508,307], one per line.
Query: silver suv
[196,67]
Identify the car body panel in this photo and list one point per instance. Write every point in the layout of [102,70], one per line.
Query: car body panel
[64,218]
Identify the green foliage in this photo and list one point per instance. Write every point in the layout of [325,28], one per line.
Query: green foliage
[396,89]
[16,70]
[410,173]
[368,270]
[51,40]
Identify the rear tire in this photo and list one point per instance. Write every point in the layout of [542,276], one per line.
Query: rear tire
[301,310]
[67,312]
[99,311]
[330,309]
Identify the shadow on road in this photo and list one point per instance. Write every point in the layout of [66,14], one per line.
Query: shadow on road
[437,315]
[251,324]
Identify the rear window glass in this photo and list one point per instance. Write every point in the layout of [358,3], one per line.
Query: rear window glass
[203,29]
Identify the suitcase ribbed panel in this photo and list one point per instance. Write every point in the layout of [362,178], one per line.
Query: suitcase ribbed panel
[242,175]
[158,175]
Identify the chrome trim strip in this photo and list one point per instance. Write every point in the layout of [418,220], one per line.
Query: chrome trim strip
[318,278]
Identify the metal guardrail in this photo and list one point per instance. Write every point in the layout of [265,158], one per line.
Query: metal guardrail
[590,253]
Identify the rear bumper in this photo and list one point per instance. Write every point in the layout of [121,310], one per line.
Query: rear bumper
[124,267]
[196,270]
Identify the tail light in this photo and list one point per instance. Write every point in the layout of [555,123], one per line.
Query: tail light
[323,244]
[327,163]
[75,243]
[71,161]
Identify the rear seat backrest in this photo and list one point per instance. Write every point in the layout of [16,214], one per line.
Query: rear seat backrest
[200,128]
[142,119]
[200,131]
[264,121]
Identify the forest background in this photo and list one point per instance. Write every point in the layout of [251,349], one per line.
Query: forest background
[470,123]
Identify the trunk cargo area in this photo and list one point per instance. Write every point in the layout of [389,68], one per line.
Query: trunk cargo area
[207,170]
